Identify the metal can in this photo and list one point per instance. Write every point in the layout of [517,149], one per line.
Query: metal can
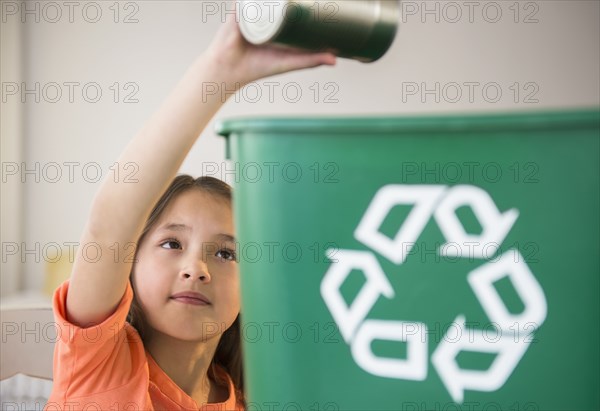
[362,30]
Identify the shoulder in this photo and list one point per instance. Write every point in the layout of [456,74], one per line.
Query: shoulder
[99,358]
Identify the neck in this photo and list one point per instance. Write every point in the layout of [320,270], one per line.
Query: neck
[187,364]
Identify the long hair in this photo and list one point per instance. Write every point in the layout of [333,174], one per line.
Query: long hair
[229,350]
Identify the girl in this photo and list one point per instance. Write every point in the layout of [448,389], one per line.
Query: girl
[161,331]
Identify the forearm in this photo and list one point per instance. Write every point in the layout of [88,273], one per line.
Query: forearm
[121,208]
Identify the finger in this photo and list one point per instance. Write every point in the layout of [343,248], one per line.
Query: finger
[307,60]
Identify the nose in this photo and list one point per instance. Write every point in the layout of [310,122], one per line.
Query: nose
[195,269]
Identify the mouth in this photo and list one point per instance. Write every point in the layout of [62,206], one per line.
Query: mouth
[192,298]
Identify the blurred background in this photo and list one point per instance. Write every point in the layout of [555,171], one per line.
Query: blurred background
[79,79]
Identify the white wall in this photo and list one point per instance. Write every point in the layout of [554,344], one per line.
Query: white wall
[11,150]
[555,55]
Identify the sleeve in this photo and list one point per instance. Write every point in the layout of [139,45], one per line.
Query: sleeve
[99,359]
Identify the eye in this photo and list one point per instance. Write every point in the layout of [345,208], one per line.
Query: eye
[171,244]
[226,254]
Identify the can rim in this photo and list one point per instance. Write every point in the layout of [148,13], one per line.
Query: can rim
[503,121]
[260,32]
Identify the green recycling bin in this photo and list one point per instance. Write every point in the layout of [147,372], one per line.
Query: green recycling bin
[419,263]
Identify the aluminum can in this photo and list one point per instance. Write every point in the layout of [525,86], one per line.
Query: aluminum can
[362,30]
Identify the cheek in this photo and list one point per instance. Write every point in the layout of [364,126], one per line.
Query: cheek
[149,284]
[228,287]
[235,294]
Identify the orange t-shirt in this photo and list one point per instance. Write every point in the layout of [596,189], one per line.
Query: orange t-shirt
[105,367]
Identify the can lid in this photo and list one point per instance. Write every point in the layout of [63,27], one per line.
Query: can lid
[393,125]
[261,20]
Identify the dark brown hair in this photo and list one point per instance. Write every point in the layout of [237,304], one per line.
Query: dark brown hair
[229,351]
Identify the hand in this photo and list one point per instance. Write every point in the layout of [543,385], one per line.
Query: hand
[242,62]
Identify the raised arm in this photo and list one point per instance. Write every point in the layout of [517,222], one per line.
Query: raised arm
[120,209]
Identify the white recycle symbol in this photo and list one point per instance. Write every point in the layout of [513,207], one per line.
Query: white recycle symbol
[441,202]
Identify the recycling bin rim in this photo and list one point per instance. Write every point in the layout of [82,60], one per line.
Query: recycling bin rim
[510,121]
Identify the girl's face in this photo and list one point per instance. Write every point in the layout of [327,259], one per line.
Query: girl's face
[190,248]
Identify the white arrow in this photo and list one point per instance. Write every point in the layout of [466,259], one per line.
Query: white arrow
[346,317]
[494,224]
[413,367]
[509,351]
[424,198]
[512,265]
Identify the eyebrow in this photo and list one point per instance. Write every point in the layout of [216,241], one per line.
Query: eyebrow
[176,227]
[226,237]
[184,227]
